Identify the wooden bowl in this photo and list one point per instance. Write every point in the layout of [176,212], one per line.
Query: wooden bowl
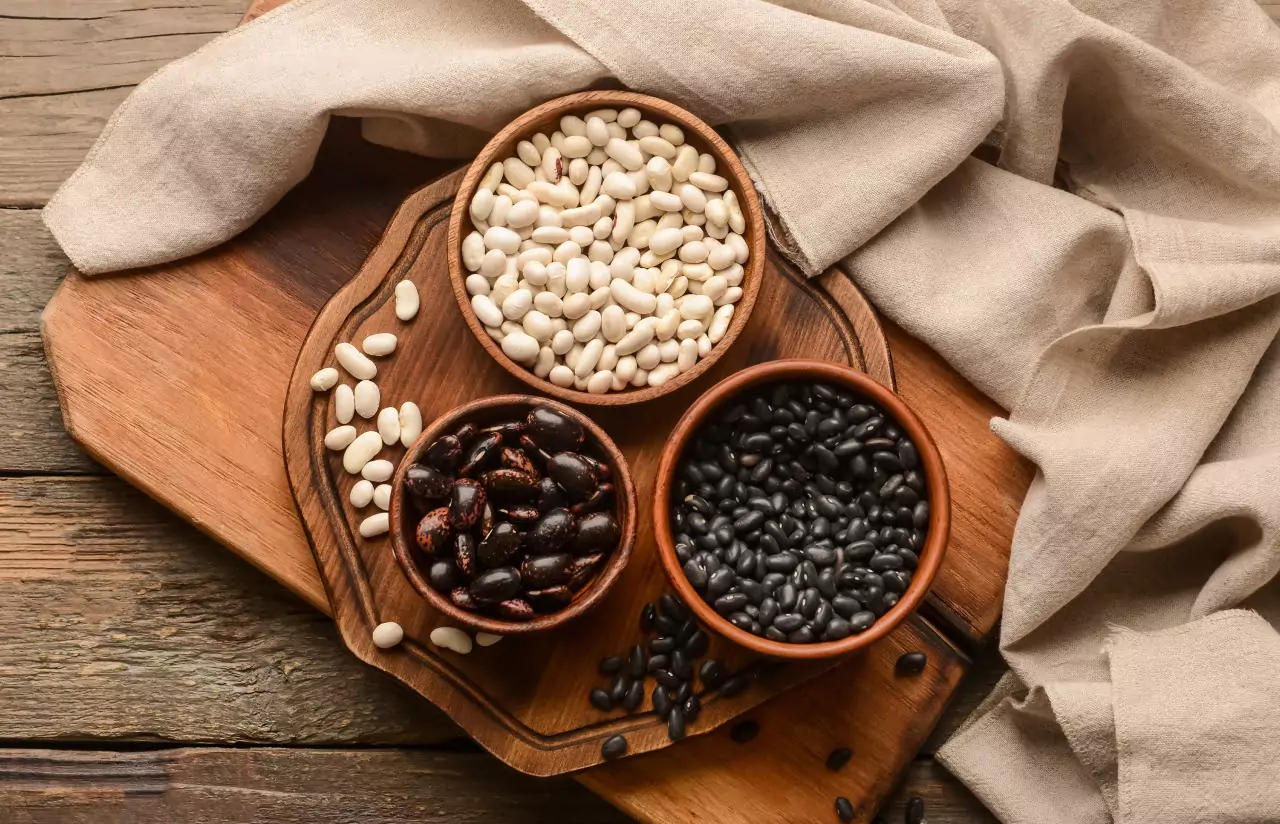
[805,370]
[485,412]
[545,118]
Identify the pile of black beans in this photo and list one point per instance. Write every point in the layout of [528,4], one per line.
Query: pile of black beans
[672,661]
[516,517]
[799,510]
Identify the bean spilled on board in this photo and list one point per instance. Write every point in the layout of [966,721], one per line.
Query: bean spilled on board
[844,809]
[614,746]
[491,531]
[799,512]
[744,731]
[838,758]
[915,810]
[910,663]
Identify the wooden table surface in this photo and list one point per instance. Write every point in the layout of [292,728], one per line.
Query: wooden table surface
[146,674]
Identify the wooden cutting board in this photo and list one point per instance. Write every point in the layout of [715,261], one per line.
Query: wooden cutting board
[176,378]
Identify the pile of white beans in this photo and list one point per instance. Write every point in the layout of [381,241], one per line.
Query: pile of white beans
[606,255]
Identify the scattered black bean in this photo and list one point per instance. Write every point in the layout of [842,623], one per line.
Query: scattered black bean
[675,724]
[600,700]
[915,810]
[744,731]
[610,665]
[910,663]
[838,758]
[614,746]
[712,673]
[844,809]
[734,685]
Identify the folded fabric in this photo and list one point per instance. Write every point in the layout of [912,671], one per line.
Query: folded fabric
[1111,280]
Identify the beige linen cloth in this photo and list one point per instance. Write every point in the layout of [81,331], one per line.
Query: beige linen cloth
[1126,317]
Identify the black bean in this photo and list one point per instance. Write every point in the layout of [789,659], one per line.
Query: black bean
[675,724]
[861,621]
[657,662]
[844,809]
[789,622]
[720,582]
[822,617]
[692,708]
[886,561]
[920,515]
[734,685]
[838,758]
[670,606]
[634,697]
[741,620]
[647,616]
[610,665]
[910,663]
[915,810]
[744,731]
[730,602]
[681,665]
[600,700]
[804,635]
[836,630]
[696,573]
[753,519]
[820,556]
[697,644]
[668,679]
[662,646]
[661,702]
[614,746]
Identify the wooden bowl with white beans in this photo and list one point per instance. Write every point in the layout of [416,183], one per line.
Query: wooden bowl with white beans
[606,247]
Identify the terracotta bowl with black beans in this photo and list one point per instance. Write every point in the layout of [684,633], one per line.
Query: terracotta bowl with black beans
[802,509]
[513,514]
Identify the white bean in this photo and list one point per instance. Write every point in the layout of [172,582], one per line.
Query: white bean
[628,118]
[637,338]
[695,306]
[520,347]
[720,323]
[649,357]
[740,249]
[692,197]
[665,241]
[706,163]
[717,212]
[693,252]
[688,355]
[561,376]
[325,379]
[669,350]
[597,131]
[552,166]
[522,214]
[517,304]
[367,399]
[721,256]
[529,153]
[502,289]
[389,425]
[407,299]
[481,204]
[671,133]
[632,298]
[562,341]
[587,327]
[451,638]
[662,201]
[344,403]
[613,323]
[517,172]
[485,309]
[600,383]
[388,634]
[627,154]
[410,423]
[546,360]
[378,471]
[361,494]
[361,451]
[502,239]
[690,328]
[619,186]
[354,361]
[375,525]
[704,346]
[379,345]
[685,164]
[576,305]
[698,272]
[655,145]
[658,173]
[576,145]
[548,304]
[492,178]
[580,216]
[537,325]
[571,124]
[737,221]
[494,263]
[577,275]
[477,285]
[645,128]
[589,358]
[714,287]
[669,323]
[340,437]
[626,368]
[663,373]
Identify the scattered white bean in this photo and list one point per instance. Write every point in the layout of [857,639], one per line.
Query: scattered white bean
[344,403]
[389,425]
[354,361]
[410,423]
[379,345]
[361,451]
[361,494]
[389,634]
[368,399]
[487,639]
[382,496]
[378,471]
[451,638]
[375,525]
[325,379]
[340,437]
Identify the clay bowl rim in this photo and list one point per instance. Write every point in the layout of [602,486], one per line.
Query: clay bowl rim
[726,161]
[931,555]
[592,594]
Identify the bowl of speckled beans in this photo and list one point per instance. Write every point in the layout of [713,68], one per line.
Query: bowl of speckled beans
[801,510]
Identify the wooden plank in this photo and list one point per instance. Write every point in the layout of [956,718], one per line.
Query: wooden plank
[65,68]
[123,622]
[387,786]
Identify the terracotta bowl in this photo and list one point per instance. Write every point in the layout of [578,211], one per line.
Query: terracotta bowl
[484,412]
[545,118]
[805,370]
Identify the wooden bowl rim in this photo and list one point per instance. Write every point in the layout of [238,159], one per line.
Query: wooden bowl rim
[585,599]
[725,157]
[931,554]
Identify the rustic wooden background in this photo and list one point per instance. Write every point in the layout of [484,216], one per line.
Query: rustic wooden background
[146,674]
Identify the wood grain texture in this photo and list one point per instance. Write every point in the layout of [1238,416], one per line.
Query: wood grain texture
[539,722]
[202,325]
[121,622]
[199,785]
